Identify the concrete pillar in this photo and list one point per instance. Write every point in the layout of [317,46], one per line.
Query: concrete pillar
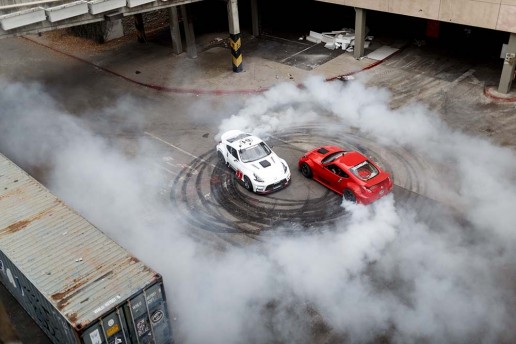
[255,19]
[508,66]
[113,30]
[175,31]
[360,32]
[140,28]
[234,36]
[191,48]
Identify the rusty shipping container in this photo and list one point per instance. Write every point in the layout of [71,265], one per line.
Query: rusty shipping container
[78,285]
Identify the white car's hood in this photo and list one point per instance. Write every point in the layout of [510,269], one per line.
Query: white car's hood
[270,168]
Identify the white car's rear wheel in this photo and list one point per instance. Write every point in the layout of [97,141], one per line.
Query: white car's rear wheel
[221,158]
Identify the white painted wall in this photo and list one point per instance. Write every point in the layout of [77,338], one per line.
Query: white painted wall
[491,14]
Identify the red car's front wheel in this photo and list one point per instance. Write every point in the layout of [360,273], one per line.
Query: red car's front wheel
[306,170]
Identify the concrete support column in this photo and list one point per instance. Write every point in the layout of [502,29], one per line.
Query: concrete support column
[508,66]
[113,29]
[140,28]
[360,32]
[234,35]
[191,48]
[175,31]
[255,19]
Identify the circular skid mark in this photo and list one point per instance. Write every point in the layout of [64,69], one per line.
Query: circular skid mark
[210,197]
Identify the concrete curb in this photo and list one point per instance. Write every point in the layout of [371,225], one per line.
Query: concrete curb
[492,93]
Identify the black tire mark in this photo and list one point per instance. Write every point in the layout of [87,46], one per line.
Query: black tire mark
[211,198]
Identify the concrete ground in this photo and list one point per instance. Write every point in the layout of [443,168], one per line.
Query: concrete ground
[16,326]
[460,89]
[459,85]
[267,61]
[7,332]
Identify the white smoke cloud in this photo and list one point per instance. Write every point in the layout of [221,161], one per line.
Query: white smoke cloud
[386,271]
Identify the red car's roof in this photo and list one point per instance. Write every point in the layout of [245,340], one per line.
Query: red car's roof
[350,159]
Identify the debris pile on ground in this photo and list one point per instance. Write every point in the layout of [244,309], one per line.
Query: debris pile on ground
[342,39]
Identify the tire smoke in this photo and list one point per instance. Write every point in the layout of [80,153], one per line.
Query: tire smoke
[389,272]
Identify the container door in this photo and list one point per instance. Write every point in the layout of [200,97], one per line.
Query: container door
[115,329]
[94,335]
[141,320]
[159,320]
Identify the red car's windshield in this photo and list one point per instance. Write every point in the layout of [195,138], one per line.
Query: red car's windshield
[365,170]
[332,157]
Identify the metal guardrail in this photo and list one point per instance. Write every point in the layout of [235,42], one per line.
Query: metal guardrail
[66,14]
[27,4]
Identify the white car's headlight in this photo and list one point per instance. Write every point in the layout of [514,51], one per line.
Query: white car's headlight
[284,167]
[257,178]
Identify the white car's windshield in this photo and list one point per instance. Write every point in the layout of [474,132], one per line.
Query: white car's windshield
[365,170]
[253,153]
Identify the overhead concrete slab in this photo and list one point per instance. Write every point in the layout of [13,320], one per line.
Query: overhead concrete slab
[134,3]
[100,6]
[69,10]
[22,18]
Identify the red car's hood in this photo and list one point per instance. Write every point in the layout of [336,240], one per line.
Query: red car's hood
[316,154]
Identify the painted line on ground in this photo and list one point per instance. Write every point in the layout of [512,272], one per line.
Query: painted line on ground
[290,40]
[299,52]
[166,169]
[179,149]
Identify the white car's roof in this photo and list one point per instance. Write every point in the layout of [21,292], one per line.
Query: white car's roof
[238,138]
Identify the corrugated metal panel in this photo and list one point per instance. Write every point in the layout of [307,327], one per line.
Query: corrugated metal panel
[75,266]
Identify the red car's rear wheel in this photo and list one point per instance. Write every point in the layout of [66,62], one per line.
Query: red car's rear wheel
[349,196]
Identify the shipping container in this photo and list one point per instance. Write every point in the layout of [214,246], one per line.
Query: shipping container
[76,283]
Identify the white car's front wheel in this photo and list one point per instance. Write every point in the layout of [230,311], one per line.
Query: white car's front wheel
[247,184]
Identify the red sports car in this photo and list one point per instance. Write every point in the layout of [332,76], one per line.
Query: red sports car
[348,173]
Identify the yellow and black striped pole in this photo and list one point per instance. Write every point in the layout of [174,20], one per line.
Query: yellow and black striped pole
[234,36]
[236,52]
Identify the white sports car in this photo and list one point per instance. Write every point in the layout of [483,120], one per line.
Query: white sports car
[255,164]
